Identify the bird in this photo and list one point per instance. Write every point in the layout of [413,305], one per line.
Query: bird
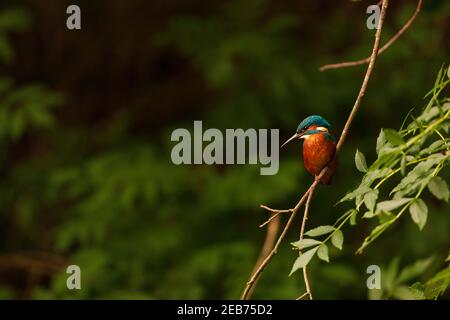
[319,146]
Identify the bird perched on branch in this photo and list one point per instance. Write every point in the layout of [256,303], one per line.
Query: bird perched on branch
[319,146]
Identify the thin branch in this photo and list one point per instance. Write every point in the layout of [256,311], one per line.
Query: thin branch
[255,275]
[276,214]
[382,49]
[305,214]
[302,232]
[273,216]
[365,83]
[271,237]
[302,296]
[275,210]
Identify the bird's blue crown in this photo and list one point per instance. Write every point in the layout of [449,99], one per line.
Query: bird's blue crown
[313,121]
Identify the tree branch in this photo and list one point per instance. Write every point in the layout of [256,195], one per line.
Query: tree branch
[271,237]
[302,232]
[382,49]
[255,275]
[276,214]
[365,83]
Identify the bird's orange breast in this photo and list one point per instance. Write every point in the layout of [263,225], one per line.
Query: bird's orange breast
[318,152]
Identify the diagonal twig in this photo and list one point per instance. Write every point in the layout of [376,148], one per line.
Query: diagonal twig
[255,275]
[258,270]
[302,232]
[275,214]
[269,241]
[382,49]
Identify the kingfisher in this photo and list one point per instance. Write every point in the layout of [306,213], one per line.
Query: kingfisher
[319,146]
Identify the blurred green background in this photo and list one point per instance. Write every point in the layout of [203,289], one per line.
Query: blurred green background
[85,124]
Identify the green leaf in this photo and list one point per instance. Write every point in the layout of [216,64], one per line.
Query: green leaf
[303,260]
[403,293]
[417,290]
[374,174]
[393,137]
[361,190]
[432,148]
[437,285]
[386,158]
[337,239]
[322,253]
[390,275]
[360,161]
[381,140]
[428,115]
[439,188]
[305,243]
[403,165]
[321,230]
[384,216]
[370,199]
[392,204]
[375,233]
[420,175]
[353,217]
[414,270]
[419,212]
[369,215]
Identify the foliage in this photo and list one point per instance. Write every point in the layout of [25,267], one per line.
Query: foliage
[27,107]
[395,282]
[420,147]
[88,178]
[11,20]
[417,152]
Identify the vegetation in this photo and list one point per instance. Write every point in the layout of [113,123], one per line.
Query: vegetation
[86,176]
[421,146]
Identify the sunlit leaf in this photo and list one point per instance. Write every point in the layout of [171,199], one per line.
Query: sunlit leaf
[303,260]
[393,137]
[305,243]
[370,199]
[321,230]
[439,188]
[390,205]
[322,253]
[419,212]
[337,239]
[353,217]
[420,174]
[360,161]
[381,140]
[403,165]
[361,190]
[369,215]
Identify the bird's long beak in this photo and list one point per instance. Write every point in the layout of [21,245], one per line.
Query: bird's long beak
[295,136]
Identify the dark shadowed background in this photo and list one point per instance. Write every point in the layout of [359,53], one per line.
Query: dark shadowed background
[85,124]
